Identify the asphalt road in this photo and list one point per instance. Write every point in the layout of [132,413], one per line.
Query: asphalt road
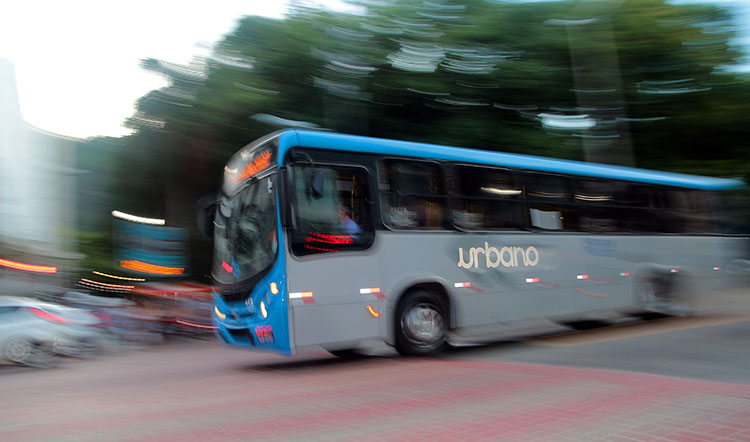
[710,346]
[671,379]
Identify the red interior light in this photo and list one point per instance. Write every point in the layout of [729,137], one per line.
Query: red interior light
[226,267]
[332,243]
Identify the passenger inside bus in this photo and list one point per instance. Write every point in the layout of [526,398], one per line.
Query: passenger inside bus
[413,193]
[347,224]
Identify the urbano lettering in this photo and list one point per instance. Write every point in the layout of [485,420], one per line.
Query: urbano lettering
[492,257]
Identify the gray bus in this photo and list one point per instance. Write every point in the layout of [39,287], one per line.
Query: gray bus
[332,241]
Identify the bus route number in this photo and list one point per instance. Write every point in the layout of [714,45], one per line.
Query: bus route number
[264,333]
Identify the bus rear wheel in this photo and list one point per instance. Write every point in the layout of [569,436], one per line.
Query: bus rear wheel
[663,296]
[421,324]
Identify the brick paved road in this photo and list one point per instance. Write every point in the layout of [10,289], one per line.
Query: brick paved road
[201,391]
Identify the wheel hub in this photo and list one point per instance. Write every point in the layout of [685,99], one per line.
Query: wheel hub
[423,324]
[18,350]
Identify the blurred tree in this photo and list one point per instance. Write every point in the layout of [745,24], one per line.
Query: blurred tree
[478,74]
[98,159]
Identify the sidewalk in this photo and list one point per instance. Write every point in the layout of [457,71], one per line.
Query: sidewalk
[208,392]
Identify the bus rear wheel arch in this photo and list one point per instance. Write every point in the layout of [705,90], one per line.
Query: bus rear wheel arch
[421,323]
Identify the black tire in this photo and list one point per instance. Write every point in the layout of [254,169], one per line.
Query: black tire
[421,324]
[646,295]
[663,296]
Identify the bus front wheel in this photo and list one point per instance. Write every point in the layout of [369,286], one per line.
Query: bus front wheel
[421,324]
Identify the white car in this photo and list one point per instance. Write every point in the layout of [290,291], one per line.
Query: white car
[33,332]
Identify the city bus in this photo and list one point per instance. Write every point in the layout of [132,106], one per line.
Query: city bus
[335,242]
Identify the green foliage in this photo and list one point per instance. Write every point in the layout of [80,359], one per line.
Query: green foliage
[472,73]
[97,249]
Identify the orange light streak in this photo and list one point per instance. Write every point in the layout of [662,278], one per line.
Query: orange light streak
[117,286]
[101,288]
[117,277]
[144,267]
[27,267]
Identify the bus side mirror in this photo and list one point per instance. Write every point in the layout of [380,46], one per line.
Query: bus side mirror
[206,214]
[317,183]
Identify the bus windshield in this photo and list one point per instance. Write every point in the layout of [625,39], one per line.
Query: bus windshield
[245,237]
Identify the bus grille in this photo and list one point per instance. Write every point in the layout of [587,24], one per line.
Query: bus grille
[234,296]
[240,291]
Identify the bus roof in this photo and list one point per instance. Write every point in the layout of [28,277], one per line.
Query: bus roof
[335,141]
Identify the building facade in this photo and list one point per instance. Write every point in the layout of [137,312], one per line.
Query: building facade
[37,198]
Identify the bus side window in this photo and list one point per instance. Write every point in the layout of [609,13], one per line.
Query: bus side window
[641,208]
[731,211]
[412,195]
[486,199]
[689,211]
[596,205]
[332,210]
[549,203]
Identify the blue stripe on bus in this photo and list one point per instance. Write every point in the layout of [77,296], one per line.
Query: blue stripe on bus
[334,141]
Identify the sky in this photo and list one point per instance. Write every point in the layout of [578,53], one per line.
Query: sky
[740,10]
[77,61]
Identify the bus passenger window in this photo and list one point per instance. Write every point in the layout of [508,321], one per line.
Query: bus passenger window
[550,203]
[689,211]
[486,199]
[546,219]
[724,215]
[331,210]
[412,195]
[643,210]
[595,202]
[731,211]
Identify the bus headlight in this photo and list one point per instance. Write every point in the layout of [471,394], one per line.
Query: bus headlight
[219,314]
[263,310]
